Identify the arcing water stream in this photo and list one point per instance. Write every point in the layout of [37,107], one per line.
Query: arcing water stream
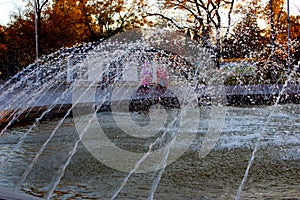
[52,159]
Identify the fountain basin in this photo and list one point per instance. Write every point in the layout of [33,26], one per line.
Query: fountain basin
[12,195]
[240,95]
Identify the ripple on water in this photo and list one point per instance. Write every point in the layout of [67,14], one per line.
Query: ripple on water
[274,174]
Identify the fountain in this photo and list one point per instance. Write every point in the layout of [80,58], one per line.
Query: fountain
[144,114]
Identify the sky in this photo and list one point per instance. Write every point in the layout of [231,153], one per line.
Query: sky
[8,6]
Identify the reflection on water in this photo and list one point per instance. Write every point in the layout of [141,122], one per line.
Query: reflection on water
[274,174]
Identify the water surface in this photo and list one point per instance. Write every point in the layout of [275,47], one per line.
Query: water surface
[274,174]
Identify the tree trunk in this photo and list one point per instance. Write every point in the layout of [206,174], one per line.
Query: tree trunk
[273,31]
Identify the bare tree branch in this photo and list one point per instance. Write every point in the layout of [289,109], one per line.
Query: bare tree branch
[197,16]
[167,18]
[229,19]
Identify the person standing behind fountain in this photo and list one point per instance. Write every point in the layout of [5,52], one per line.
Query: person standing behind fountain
[165,96]
[146,75]
[162,77]
[141,99]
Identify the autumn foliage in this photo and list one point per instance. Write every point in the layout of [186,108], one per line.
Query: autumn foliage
[63,23]
[231,29]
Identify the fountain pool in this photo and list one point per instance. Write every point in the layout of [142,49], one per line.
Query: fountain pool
[274,174]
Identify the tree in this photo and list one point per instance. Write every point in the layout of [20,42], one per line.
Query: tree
[39,5]
[3,52]
[275,63]
[71,21]
[246,40]
[64,23]
[201,19]
[20,43]
[116,16]
[276,14]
